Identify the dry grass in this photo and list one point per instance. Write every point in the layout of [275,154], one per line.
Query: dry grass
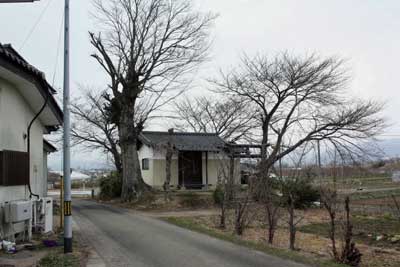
[308,244]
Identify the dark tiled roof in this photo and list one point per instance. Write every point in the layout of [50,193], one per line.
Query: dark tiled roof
[8,52]
[48,147]
[184,141]
[12,59]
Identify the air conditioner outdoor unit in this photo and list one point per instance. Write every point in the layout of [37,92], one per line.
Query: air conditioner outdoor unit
[18,211]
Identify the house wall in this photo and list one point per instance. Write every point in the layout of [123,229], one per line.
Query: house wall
[45,173]
[15,115]
[156,175]
[218,167]
[147,152]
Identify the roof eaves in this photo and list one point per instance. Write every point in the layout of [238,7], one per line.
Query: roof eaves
[144,139]
[19,64]
[47,146]
[179,133]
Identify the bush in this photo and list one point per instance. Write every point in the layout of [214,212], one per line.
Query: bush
[110,186]
[218,195]
[302,191]
[147,198]
[192,200]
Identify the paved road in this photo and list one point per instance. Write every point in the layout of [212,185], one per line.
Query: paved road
[125,238]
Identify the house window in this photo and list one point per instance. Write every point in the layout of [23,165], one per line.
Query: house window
[145,164]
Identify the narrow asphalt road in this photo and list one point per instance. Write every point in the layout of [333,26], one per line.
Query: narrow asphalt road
[125,238]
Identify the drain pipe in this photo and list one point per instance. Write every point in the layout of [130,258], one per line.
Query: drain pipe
[29,145]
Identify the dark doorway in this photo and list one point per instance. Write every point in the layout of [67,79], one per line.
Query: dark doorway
[190,169]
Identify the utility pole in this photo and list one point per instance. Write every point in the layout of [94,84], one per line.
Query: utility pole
[67,154]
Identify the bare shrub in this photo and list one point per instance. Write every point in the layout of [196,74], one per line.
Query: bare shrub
[267,195]
[350,253]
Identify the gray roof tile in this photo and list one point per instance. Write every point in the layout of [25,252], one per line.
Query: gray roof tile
[11,56]
[184,141]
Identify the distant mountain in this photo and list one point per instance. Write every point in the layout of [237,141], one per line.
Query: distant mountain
[80,160]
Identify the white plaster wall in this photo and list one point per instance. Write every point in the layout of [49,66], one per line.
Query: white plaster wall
[45,174]
[147,152]
[160,154]
[216,163]
[155,176]
[15,115]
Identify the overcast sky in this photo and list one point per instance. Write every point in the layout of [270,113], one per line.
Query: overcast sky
[366,32]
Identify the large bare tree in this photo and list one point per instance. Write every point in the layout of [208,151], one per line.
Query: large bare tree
[92,128]
[230,118]
[146,47]
[300,99]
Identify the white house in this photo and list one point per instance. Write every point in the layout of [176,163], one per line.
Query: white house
[198,161]
[28,110]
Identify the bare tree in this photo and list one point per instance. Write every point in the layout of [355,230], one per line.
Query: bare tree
[92,128]
[170,149]
[330,201]
[396,206]
[244,212]
[230,118]
[147,48]
[225,190]
[273,214]
[335,205]
[230,196]
[298,192]
[268,195]
[350,253]
[301,99]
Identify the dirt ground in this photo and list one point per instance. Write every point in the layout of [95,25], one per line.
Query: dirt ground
[310,244]
[28,258]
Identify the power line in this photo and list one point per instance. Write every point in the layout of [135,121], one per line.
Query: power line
[58,49]
[35,24]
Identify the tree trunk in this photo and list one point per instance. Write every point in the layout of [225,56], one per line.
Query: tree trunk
[222,223]
[271,234]
[129,172]
[132,182]
[332,231]
[272,221]
[292,238]
[231,179]
[292,227]
[168,160]
[239,218]
[350,254]
[348,232]
[117,162]
[264,142]
[142,186]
